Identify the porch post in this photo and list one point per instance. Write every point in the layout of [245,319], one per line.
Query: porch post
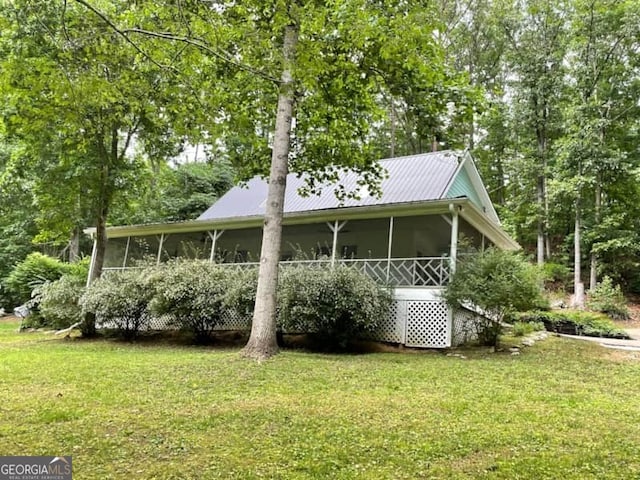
[126,253]
[214,237]
[160,249]
[454,236]
[335,228]
[389,245]
[93,261]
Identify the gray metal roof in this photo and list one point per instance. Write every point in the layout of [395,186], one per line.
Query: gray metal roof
[414,178]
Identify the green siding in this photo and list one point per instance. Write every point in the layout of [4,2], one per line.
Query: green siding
[463,187]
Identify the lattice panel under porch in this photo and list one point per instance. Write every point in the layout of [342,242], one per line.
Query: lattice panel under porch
[391,328]
[464,327]
[428,324]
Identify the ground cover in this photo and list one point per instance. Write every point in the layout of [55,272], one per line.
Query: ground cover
[561,409]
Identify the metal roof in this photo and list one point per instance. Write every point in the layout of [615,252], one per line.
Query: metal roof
[413,178]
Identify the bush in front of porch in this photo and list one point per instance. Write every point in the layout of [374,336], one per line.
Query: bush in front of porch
[496,284]
[334,305]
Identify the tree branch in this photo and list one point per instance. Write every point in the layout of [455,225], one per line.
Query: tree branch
[201,44]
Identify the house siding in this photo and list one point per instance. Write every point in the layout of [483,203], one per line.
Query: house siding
[463,187]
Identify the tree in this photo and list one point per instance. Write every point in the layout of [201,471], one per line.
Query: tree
[497,283]
[602,113]
[299,83]
[76,94]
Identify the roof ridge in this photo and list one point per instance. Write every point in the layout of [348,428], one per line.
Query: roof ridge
[425,154]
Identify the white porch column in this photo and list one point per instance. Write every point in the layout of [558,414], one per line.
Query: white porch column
[160,249]
[335,228]
[454,236]
[389,245]
[214,237]
[92,264]
[126,254]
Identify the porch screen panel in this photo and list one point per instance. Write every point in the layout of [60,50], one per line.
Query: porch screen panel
[360,239]
[239,246]
[194,246]
[114,256]
[420,236]
[306,242]
[143,250]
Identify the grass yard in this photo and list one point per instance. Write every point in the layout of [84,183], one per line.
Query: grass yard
[562,409]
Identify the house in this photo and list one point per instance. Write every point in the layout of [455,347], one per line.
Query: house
[433,206]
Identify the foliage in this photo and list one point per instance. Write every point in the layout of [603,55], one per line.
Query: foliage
[555,274]
[59,301]
[337,305]
[607,298]
[521,329]
[34,270]
[120,300]
[175,193]
[192,294]
[576,322]
[498,284]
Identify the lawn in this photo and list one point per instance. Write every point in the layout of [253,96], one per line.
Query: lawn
[562,409]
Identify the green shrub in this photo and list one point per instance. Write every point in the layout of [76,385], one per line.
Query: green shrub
[193,294]
[35,270]
[242,287]
[575,322]
[520,329]
[498,284]
[335,305]
[59,301]
[556,274]
[607,298]
[120,300]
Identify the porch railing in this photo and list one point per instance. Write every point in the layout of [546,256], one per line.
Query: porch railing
[396,272]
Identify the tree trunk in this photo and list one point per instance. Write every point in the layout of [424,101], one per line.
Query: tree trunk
[74,245]
[540,236]
[102,210]
[593,274]
[578,286]
[262,342]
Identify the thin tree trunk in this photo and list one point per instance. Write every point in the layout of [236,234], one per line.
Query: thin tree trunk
[578,286]
[262,342]
[593,273]
[540,236]
[74,245]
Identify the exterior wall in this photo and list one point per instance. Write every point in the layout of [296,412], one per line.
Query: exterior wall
[463,187]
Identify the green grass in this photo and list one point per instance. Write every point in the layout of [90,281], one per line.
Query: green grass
[562,409]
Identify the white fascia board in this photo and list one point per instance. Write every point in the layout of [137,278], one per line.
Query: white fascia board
[470,165]
[296,218]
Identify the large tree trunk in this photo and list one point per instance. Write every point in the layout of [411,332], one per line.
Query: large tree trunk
[262,342]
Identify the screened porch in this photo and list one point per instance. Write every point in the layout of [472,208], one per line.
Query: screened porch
[408,251]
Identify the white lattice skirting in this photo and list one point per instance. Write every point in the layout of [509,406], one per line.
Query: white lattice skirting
[418,318]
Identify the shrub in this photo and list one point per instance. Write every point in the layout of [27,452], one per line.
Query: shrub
[520,329]
[498,284]
[336,305]
[556,274]
[575,323]
[608,299]
[193,294]
[120,300]
[242,287]
[35,270]
[59,301]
